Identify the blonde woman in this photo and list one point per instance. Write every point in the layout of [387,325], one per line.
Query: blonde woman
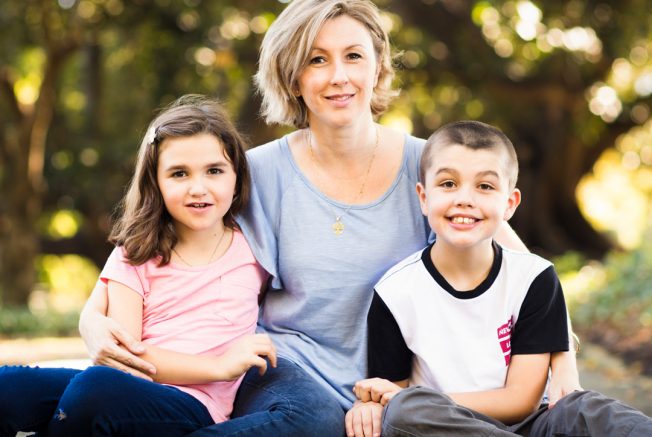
[333,207]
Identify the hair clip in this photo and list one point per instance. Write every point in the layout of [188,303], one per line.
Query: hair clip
[150,135]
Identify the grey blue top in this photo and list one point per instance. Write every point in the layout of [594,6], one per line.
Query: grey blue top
[322,283]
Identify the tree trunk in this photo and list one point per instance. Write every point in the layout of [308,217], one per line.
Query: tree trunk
[23,179]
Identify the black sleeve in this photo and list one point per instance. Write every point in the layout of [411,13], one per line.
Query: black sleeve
[387,354]
[542,324]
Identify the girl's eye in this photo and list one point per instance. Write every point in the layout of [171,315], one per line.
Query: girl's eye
[215,170]
[447,184]
[354,56]
[178,174]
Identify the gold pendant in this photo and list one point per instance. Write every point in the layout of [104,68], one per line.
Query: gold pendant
[338,226]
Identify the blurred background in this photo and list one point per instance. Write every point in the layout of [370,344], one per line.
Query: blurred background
[570,82]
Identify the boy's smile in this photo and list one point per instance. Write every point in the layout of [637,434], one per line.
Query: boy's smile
[466,195]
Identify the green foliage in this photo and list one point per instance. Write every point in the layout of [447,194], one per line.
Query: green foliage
[21,322]
[623,303]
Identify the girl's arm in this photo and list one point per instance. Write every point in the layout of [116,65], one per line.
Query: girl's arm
[526,381]
[125,306]
[107,342]
[180,368]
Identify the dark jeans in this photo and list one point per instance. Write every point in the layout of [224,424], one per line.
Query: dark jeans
[98,401]
[286,402]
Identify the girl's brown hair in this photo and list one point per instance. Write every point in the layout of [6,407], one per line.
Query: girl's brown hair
[144,227]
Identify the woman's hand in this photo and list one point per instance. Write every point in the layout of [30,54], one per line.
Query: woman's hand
[110,345]
[245,353]
[363,419]
[564,378]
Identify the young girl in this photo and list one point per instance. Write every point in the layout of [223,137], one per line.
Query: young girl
[182,279]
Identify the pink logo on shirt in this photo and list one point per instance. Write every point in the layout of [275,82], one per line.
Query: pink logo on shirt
[505,340]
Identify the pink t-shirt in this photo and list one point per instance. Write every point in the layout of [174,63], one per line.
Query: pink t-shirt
[196,310]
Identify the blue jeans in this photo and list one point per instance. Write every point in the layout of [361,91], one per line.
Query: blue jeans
[98,401]
[286,401]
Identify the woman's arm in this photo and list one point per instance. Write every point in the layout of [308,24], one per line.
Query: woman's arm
[108,343]
[506,237]
[564,377]
[526,381]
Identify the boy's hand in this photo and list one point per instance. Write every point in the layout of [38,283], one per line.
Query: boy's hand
[245,353]
[363,419]
[376,390]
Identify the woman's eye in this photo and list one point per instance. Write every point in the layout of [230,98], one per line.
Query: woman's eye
[317,60]
[354,56]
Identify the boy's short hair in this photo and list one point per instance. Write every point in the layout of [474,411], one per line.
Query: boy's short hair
[286,47]
[476,136]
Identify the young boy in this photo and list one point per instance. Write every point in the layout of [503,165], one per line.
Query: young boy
[469,325]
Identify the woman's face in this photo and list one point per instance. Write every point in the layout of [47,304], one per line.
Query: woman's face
[342,71]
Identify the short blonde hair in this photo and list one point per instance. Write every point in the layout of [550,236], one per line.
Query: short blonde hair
[286,47]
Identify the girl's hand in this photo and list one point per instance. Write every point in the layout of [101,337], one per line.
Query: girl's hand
[363,419]
[245,353]
[110,345]
[376,390]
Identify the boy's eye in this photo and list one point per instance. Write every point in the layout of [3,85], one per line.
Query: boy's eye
[486,187]
[447,184]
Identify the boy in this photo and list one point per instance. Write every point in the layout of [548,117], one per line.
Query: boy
[487,347]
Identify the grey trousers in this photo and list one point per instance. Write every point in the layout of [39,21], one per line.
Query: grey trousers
[419,411]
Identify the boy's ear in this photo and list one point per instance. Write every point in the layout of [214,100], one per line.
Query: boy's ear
[513,202]
[421,192]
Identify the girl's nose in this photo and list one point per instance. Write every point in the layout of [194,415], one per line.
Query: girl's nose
[197,187]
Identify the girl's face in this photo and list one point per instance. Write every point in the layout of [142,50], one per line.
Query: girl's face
[342,71]
[197,182]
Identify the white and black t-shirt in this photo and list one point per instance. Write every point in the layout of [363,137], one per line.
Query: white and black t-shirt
[422,329]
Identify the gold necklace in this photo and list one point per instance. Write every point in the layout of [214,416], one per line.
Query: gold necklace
[209,259]
[338,225]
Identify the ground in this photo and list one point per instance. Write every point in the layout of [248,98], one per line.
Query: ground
[599,370]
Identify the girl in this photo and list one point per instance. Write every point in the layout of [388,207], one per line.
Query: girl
[182,279]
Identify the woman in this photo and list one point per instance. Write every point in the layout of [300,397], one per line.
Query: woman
[333,207]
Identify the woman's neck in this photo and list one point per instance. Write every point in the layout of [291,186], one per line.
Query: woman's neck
[348,143]
[463,268]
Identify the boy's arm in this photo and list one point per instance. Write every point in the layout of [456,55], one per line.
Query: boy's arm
[388,357]
[526,381]
[126,308]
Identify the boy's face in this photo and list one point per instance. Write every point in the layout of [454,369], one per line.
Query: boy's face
[466,194]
